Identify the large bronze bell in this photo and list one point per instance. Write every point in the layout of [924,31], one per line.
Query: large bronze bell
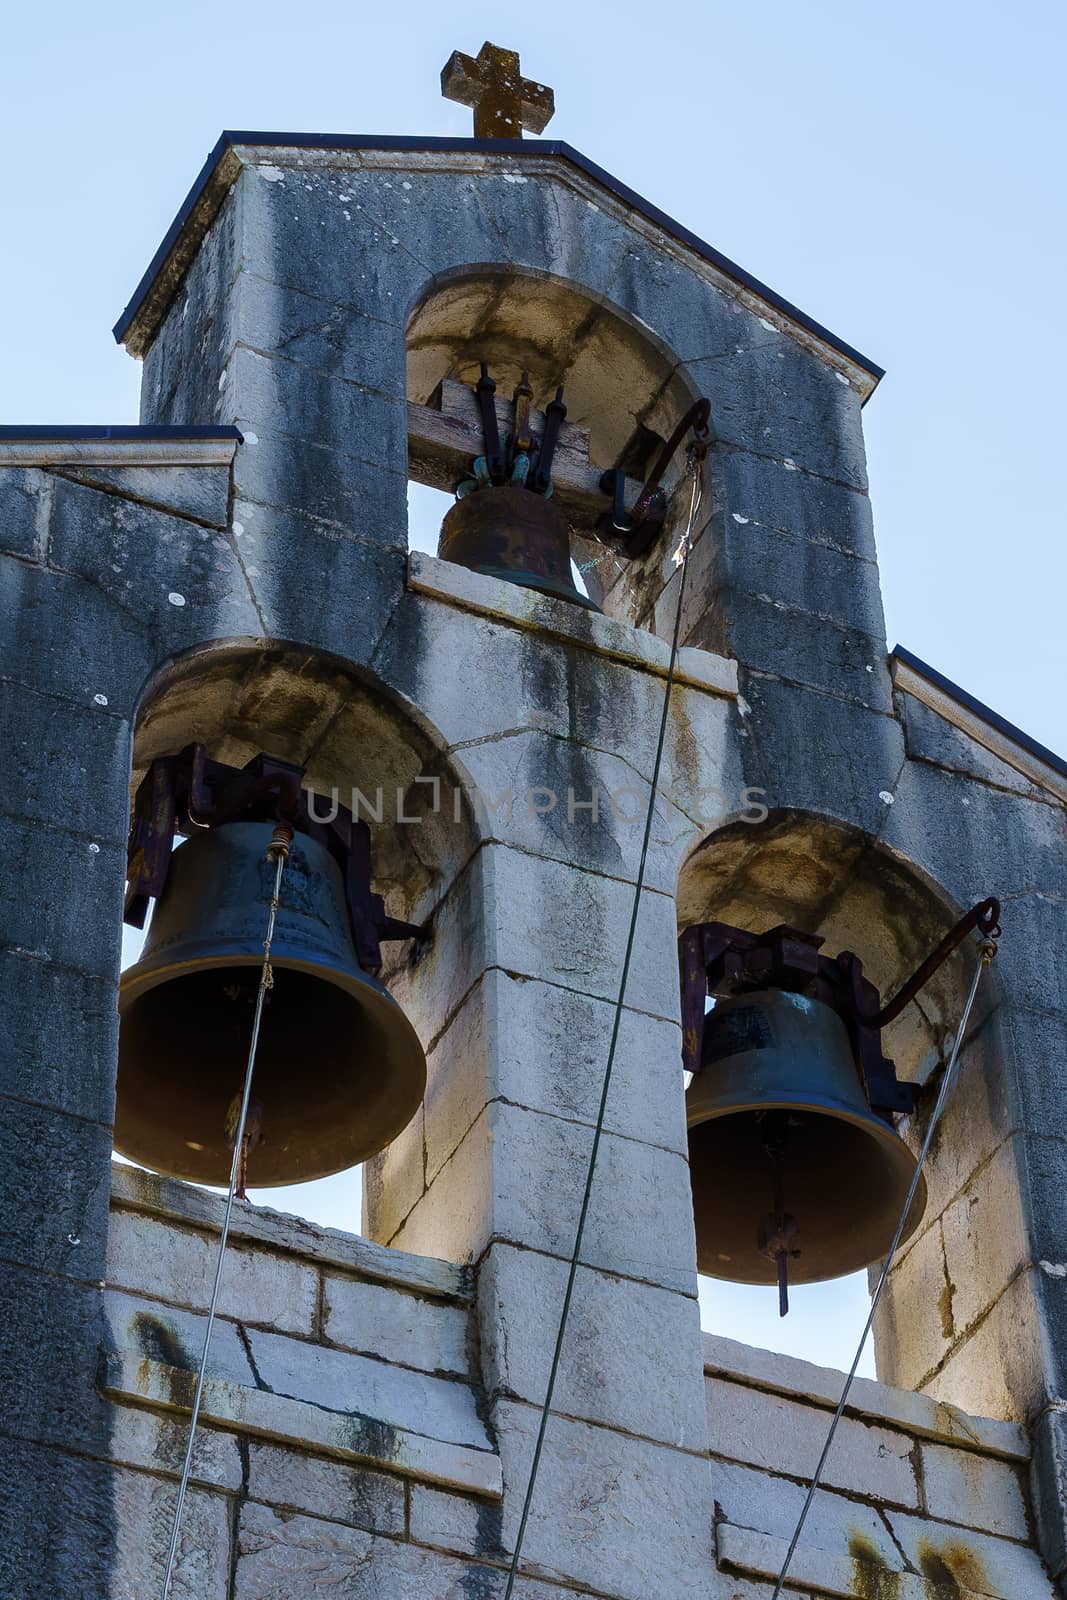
[780,1127]
[339,1071]
[512,533]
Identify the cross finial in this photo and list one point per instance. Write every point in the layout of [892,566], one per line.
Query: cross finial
[503,101]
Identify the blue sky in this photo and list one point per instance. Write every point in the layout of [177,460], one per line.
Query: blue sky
[894,169]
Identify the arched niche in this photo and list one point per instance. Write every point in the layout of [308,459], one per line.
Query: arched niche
[621,384]
[825,877]
[239,697]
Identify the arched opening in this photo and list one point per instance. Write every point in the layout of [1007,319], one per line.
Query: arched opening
[824,878]
[624,393]
[361,751]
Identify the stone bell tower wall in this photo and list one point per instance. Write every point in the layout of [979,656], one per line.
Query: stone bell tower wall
[286,307]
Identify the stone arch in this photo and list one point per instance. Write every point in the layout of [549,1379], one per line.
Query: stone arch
[621,382]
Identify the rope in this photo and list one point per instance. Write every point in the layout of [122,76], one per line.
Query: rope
[278,852]
[988,950]
[681,558]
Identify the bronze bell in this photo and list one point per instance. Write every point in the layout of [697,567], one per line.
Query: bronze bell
[512,533]
[788,1159]
[339,1071]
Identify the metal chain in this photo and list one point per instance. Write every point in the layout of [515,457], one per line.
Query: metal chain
[987,951]
[278,852]
[681,558]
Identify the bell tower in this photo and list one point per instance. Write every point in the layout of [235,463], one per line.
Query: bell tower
[654,597]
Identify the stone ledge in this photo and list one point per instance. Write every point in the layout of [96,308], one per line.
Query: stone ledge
[134,1379]
[117,452]
[133,1189]
[761,1555]
[605,636]
[917,1414]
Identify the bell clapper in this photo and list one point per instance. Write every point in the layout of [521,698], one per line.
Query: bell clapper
[253,1135]
[778,1231]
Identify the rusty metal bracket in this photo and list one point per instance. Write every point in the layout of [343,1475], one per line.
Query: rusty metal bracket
[185,792]
[983,918]
[631,533]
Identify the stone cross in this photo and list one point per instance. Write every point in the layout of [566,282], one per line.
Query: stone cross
[503,101]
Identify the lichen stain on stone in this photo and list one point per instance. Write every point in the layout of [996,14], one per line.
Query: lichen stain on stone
[952,1569]
[366,1436]
[871,1578]
[158,1340]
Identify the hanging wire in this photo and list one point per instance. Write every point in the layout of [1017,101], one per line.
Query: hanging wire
[278,852]
[987,951]
[681,558]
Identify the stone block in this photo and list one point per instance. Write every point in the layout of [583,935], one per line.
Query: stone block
[367,1387]
[828,1572]
[768,494]
[201,493]
[65,764]
[1048,1488]
[51,1333]
[57,1524]
[293,1480]
[931,738]
[45,611]
[986,1236]
[814,752]
[151,1331]
[1032,1063]
[915,1326]
[631,1357]
[179,580]
[973,1562]
[313,482]
[519,1175]
[779,399]
[775,636]
[813,577]
[780,1435]
[599,1494]
[1001,1368]
[144,1513]
[58,1036]
[299,401]
[53,887]
[769,1504]
[961,1486]
[25,508]
[156,1442]
[403,1328]
[327,336]
[395,1180]
[547,920]
[455,1522]
[156,1259]
[559,798]
[55,1181]
[485,1053]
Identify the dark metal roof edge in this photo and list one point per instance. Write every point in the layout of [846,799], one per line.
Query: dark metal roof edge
[982,711]
[513,147]
[118,431]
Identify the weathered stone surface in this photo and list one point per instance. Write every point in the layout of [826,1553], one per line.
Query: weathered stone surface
[399,1327]
[144,1508]
[773,635]
[459,1523]
[646,1382]
[770,1504]
[65,764]
[484,1054]
[156,1259]
[972,1560]
[147,1329]
[781,1435]
[51,1398]
[293,1480]
[57,1524]
[54,885]
[985,1236]
[520,1175]
[56,1203]
[25,507]
[960,1486]
[931,738]
[156,1442]
[327,1247]
[201,493]
[393,1396]
[916,1413]
[395,1180]
[914,1325]
[831,1573]
[598,1496]
[1048,1487]
[327,336]
[58,1036]
[998,1369]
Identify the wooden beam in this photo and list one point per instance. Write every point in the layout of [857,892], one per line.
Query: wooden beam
[444,438]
